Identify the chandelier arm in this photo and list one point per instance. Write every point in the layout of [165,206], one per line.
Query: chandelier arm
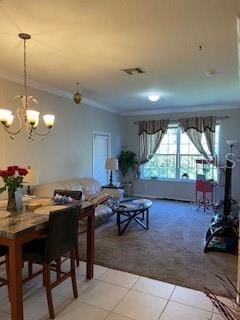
[35,132]
[21,122]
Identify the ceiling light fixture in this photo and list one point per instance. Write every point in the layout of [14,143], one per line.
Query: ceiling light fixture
[154,97]
[77,97]
[210,72]
[27,118]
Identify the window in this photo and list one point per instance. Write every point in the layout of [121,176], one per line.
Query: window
[176,157]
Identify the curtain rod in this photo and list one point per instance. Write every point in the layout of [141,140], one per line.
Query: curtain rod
[176,120]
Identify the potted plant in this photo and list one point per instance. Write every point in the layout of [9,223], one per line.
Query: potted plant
[127,160]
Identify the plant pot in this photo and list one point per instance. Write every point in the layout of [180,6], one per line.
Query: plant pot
[14,201]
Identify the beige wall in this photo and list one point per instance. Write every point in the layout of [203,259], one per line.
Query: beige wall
[67,151]
[230,128]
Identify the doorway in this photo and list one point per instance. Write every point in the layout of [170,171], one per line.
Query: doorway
[101,151]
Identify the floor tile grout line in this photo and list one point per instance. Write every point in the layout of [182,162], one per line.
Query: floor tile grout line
[130,289]
[124,316]
[103,272]
[172,292]
[60,294]
[109,312]
[188,305]
[118,285]
[138,278]
[91,305]
[161,313]
[149,294]
[120,299]
[167,303]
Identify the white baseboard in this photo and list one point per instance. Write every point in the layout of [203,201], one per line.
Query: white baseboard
[160,198]
[147,196]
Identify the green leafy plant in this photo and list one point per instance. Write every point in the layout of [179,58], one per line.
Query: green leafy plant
[127,160]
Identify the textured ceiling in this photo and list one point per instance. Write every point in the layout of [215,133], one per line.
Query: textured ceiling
[91,41]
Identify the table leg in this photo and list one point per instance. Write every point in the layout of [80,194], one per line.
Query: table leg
[119,223]
[15,279]
[90,244]
[147,216]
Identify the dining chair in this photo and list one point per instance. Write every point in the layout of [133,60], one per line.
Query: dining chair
[4,254]
[59,241]
[76,195]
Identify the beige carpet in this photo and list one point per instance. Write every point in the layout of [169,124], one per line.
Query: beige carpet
[171,250]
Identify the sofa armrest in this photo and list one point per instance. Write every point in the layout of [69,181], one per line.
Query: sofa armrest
[114,193]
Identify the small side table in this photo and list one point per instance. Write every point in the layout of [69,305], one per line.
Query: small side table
[128,188]
[114,192]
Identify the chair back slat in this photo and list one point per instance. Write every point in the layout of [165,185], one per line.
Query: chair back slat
[62,232]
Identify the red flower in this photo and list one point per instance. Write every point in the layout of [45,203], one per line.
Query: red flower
[11,168]
[22,171]
[10,171]
[3,173]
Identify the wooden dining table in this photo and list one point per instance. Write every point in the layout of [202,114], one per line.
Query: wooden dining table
[17,229]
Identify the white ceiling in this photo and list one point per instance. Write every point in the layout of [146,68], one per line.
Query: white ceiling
[92,40]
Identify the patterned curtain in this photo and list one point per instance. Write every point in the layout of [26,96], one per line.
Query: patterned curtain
[150,134]
[195,128]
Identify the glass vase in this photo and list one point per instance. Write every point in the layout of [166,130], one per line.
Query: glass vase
[11,206]
[14,201]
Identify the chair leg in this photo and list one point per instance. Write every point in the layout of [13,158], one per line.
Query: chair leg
[77,255]
[58,267]
[7,272]
[30,268]
[47,285]
[73,273]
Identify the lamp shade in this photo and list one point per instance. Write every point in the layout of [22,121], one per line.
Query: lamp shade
[31,178]
[111,164]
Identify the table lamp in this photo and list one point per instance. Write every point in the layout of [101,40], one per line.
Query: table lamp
[231,143]
[111,164]
[31,179]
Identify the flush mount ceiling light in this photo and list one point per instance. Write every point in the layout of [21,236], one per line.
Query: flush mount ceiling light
[153,97]
[133,71]
[28,119]
[211,72]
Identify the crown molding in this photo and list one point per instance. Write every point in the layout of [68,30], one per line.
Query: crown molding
[52,90]
[168,110]
[93,103]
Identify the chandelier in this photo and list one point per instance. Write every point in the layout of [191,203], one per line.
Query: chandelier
[28,119]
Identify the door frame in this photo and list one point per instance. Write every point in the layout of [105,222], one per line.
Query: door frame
[101,133]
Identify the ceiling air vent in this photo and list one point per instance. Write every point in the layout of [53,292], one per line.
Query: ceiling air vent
[133,71]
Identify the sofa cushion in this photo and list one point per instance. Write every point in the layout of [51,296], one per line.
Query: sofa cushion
[98,198]
[90,186]
[47,189]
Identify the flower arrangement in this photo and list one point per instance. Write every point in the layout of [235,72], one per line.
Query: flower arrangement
[13,179]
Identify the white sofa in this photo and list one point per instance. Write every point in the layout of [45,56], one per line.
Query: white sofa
[89,188]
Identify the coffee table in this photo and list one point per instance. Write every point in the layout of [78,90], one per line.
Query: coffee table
[134,209]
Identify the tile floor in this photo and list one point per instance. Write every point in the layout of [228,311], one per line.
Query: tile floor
[113,295]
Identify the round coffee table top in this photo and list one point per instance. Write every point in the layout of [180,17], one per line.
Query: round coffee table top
[132,205]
